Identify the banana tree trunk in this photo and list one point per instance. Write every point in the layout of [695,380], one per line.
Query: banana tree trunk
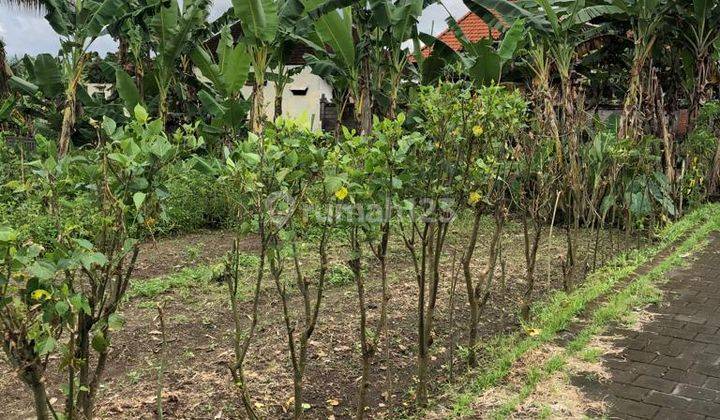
[714,177]
[365,102]
[4,72]
[70,110]
[701,93]
[278,104]
[257,108]
[629,126]
[69,119]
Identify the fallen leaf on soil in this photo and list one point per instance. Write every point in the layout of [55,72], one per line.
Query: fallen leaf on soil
[532,332]
[333,402]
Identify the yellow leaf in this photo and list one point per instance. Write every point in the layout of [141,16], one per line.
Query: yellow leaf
[333,402]
[478,130]
[532,332]
[40,294]
[341,193]
[474,198]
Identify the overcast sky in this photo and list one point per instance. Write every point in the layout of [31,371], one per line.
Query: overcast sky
[27,32]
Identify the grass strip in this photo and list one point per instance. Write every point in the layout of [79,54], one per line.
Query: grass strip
[641,292]
[554,315]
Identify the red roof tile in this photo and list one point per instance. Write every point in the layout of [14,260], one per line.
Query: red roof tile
[472,26]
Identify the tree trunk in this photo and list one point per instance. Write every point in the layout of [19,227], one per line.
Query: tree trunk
[278,101]
[531,247]
[714,178]
[297,395]
[5,72]
[469,285]
[365,347]
[68,122]
[700,90]
[365,100]
[33,377]
[629,126]
[70,111]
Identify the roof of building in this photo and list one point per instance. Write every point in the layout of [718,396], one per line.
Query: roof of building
[472,26]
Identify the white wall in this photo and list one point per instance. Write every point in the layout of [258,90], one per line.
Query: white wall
[305,107]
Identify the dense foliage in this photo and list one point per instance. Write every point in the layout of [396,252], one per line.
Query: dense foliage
[493,131]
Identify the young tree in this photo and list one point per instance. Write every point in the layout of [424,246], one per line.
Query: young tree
[301,171]
[489,121]
[432,164]
[368,186]
[64,298]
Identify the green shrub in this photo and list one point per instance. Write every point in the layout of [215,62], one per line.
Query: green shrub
[339,275]
[195,200]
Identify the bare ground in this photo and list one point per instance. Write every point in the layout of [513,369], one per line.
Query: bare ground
[197,382]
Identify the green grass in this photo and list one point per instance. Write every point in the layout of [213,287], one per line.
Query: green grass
[560,309]
[201,275]
[642,291]
[183,280]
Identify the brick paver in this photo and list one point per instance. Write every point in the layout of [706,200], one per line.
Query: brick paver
[670,369]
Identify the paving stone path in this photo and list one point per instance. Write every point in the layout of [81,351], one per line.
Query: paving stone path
[670,368]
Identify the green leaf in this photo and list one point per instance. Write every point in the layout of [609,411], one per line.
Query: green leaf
[139,199]
[591,12]
[59,15]
[45,346]
[211,105]
[48,75]
[126,89]
[99,342]
[7,235]
[333,183]
[510,41]
[43,270]
[102,15]
[203,61]
[141,115]
[120,158]
[115,322]
[23,86]
[94,258]
[80,303]
[109,125]
[251,158]
[235,67]
[259,18]
[335,31]
[62,307]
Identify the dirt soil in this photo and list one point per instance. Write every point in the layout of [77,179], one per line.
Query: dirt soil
[197,382]
[168,255]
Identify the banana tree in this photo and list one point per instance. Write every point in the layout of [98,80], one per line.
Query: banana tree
[132,34]
[701,30]
[359,51]
[335,56]
[5,71]
[224,78]
[480,60]
[173,30]
[79,24]
[260,25]
[42,89]
[396,23]
[646,18]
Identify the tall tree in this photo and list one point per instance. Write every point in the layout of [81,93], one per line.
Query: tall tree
[700,30]
[5,72]
[78,24]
